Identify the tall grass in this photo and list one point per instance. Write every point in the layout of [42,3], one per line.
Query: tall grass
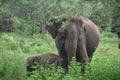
[14,50]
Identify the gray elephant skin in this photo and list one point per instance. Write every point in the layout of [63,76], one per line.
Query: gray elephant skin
[79,38]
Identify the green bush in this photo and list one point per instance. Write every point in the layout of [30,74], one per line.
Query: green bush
[14,50]
[51,73]
[31,45]
[12,66]
[56,73]
[24,27]
[30,16]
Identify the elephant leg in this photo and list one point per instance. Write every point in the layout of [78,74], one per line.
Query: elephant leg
[82,53]
[71,47]
[63,55]
[90,53]
[64,60]
[82,49]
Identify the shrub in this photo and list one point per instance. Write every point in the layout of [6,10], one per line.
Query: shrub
[12,66]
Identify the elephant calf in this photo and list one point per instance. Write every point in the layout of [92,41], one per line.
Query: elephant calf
[41,60]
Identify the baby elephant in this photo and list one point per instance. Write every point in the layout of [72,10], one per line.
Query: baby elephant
[43,60]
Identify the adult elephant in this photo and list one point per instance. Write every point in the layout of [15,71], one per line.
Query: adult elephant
[80,38]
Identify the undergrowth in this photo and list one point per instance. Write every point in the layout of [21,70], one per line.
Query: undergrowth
[15,49]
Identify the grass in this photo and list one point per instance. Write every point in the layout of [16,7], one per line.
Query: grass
[15,48]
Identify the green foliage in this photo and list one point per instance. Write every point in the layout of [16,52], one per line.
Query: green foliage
[30,45]
[25,27]
[29,17]
[51,73]
[74,72]
[56,73]
[15,49]
[12,66]
[32,14]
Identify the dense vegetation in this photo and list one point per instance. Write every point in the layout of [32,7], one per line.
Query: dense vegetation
[15,49]
[26,19]
[29,16]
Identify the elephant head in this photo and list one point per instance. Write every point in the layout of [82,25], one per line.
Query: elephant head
[54,24]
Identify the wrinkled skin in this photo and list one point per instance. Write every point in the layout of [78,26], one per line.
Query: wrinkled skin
[43,60]
[116,29]
[81,38]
